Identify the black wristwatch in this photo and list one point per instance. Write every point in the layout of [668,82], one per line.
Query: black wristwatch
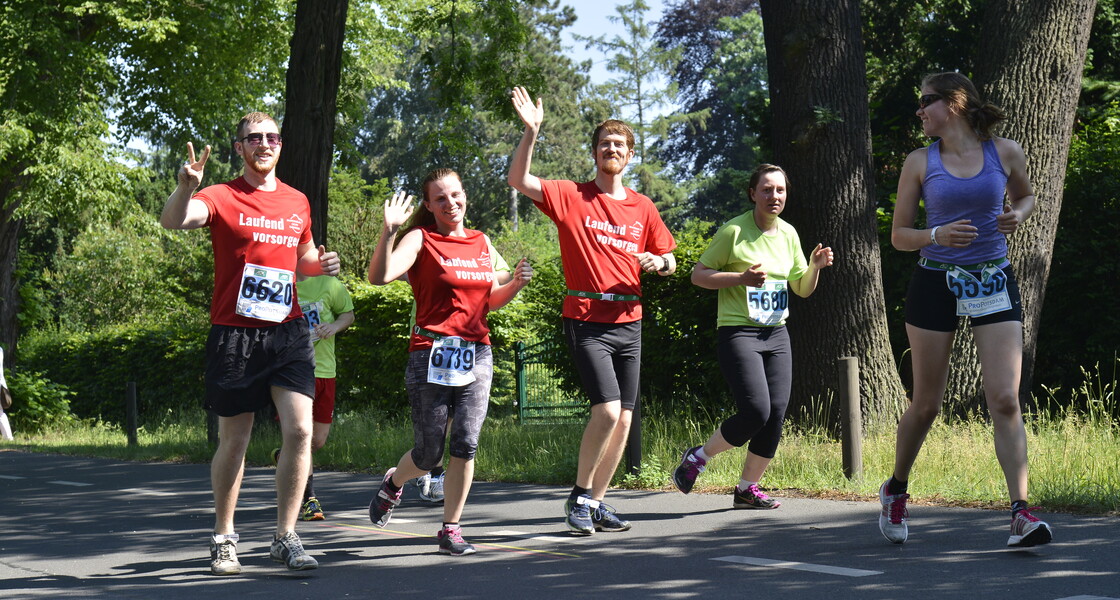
[664,269]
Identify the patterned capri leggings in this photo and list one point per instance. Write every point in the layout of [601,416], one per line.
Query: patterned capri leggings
[433,405]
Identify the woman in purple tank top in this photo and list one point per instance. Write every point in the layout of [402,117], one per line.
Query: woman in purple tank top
[976,193]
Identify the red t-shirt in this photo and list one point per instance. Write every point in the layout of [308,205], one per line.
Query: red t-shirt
[251,226]
[451,281]
[599,237]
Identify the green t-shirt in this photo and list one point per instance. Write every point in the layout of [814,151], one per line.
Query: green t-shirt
[322,299]
[738,246]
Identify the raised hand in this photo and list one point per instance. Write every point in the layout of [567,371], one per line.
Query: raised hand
[190,174]
[531,114]
[754,276]
[821,257]
[397,210]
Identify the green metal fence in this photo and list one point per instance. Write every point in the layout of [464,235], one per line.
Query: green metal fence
[539,398]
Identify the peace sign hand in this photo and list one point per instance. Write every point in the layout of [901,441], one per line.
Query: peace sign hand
[190,174]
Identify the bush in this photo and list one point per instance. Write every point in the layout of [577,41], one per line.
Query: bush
[165,361]
[38,402]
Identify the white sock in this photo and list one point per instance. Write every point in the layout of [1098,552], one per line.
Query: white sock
[218,538]
[700,454]
[744,484]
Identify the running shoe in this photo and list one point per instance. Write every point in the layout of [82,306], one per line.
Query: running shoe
[690,468]
[312,510]
[605,519]
[579,515]
[1028,530]
[223,557]
[274,456]
[423,484]
[451,542]
[289,550]
[382,505]
[435,490]
[752,497]
[892,519]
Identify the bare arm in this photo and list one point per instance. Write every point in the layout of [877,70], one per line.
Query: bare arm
[532,115]
[501,294]
[819,258]
[181,211]
[662,264]
[711,279]
[388,263]
[1019,190]
[316,261]
[340,324]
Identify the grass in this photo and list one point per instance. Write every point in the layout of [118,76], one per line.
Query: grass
[1072,454]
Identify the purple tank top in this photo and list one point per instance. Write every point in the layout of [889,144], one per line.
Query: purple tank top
[980,198]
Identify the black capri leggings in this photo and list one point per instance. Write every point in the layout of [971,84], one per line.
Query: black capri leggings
[758,367]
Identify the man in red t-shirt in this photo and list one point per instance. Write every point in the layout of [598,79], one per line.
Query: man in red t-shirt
[609,235]
[259,350]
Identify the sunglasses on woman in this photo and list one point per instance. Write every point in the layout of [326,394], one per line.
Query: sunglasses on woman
[928,99]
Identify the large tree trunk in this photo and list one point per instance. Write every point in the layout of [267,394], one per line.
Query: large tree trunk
[311,103]
[1030,63]
[822,138]
[9,287]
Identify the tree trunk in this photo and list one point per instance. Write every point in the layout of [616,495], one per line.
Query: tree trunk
[822,138]
[311,103]
[1030,63]
[9,287]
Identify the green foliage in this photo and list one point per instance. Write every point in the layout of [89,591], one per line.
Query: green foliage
[356,212]
[135,272]
[165,360]
[38,403]
[373,352]
[1079,323]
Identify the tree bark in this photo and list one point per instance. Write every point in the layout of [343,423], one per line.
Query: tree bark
[1030,63]
[822,138]
[311,104]
[9,286]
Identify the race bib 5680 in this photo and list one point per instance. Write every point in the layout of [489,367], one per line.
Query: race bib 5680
[768,304]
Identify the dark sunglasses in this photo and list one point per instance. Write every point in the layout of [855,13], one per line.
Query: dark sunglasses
[928,99]
[255,139]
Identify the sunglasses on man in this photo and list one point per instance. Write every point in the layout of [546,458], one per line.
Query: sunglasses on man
[255,139]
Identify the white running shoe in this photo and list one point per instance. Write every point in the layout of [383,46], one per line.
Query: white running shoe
[892,519]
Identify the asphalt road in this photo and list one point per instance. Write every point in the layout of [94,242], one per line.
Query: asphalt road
[95,528]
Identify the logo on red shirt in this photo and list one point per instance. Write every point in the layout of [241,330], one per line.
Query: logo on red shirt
[636,230]
[295,223]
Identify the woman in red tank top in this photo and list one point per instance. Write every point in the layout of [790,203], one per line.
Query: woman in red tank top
[450,365]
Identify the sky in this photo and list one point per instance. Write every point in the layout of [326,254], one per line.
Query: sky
[592,21]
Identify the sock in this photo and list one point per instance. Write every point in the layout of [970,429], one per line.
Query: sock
[309,489]
[577,492]
[1017,506]
[436,472]
[699,453]
[744,484]
[218,538]
[454,525]
[896,487]
[393,488]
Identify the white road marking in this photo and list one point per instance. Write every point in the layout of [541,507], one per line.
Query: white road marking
[1088,598]
[579,539]
[143,492]
[11,477]
[798,566]
[70,483]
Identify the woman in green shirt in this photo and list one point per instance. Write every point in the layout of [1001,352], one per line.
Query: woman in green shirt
[754,261]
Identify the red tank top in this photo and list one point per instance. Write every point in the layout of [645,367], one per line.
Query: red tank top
[451,281]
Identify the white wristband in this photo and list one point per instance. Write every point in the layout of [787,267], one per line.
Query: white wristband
[933,236]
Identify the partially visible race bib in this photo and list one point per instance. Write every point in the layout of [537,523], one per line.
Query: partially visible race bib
[266,293]
[978,297]
[768,304]
[313,313]
[451,362]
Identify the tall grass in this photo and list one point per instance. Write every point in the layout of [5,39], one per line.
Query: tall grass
[1073,452]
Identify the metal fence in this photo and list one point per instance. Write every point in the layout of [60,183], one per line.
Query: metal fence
[539,398]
